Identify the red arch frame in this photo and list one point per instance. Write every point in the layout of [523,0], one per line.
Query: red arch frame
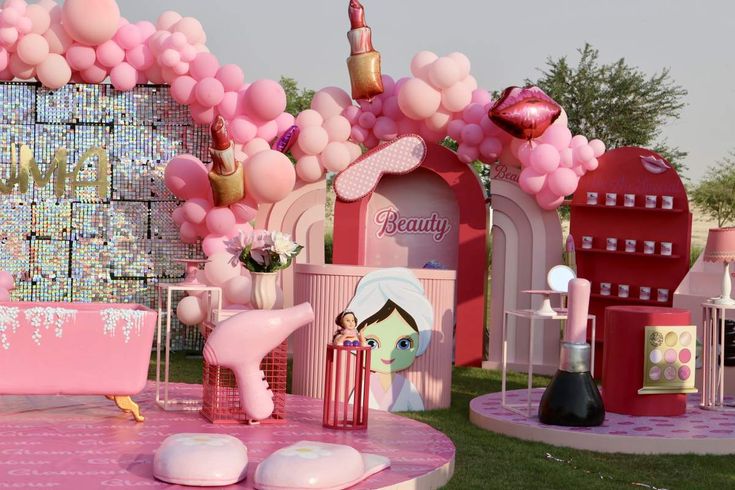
[349,246]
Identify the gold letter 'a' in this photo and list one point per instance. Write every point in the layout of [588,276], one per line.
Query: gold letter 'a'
[100,181]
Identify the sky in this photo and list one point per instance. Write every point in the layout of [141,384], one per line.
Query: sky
[506,42]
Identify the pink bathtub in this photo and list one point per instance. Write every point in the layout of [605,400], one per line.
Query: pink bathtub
[74,348]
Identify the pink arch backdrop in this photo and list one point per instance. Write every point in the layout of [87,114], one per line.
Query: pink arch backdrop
[88,41]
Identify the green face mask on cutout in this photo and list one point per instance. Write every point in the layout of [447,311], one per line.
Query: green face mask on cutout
[394,344]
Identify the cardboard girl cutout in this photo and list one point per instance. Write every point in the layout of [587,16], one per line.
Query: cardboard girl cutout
[396,320]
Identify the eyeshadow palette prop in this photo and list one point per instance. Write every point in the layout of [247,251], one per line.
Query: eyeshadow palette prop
[668,366]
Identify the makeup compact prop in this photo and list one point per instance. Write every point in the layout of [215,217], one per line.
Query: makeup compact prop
[572,398]
[668,366]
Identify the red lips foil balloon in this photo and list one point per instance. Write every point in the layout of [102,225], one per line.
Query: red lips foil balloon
[524,112]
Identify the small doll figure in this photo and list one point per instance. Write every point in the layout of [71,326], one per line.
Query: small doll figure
[347,335]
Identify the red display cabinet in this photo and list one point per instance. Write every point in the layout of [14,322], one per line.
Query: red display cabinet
[641,173]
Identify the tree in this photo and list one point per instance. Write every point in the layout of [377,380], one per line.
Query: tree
[298,100]
[715,194]
[616,102]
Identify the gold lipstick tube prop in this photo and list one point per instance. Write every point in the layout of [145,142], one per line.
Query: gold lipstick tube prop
[364,62]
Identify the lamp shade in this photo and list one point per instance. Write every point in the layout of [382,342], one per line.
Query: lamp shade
[720,245]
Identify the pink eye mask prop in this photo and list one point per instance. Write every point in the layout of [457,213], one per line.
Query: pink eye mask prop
[398,157]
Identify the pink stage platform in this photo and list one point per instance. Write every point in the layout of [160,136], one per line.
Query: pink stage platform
[87,443]
[698,431]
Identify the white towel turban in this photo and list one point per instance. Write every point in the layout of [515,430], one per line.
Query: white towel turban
[400,286]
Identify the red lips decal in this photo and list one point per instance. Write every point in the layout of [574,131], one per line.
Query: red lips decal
[524,112]
[654,165]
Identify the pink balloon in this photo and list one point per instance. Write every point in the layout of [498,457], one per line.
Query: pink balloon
[80,57]
[6,281]
[385,129]
[54,71]
[123,77]
[335,157]
[91,22]
[284,121]
[187,177]
[474,113]
[256,145]
[463,62]
[266,99]
[195,210]
[243,212]
[331,101]
[558,136]
[367,120]
[578,140]
[490,149]
[472,134]
[182,90]
[209,92]
[421,63]
[243,130]
[598,147]
[310,117]
[391,108]
[146,29]
[355,150]
[359,134]
[467,153]
[204,65]
[231,77]
[545,158]
[201,114]
[567,160]
[188,233]
[375,106]
[482,97]
[189,311]
[39,17]
[454,129]
[140,57]
[563,181]
[313,139]
[268,131]
[227,107]
[309,169]
[237,290]
[389,85]
[270,176]
[547,200]
[19,69]
[169,57]
[418,100]
[591,164]
[583,153]
[94,74]
[444,72]
[109,54]
[531,181]
[153,73]
[178,216]
[4,59]
[32,49]
[4,295]
[220,221]
[58,40]
[192,29]
[352,113]
[439,120]
[128,36]
[456,97]
[167,20]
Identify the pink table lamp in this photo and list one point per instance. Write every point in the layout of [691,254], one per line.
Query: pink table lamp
[721,248]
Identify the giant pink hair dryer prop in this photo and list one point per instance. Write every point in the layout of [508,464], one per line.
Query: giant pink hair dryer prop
[240,343]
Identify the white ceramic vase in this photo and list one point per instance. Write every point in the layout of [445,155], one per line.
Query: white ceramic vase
[263,292]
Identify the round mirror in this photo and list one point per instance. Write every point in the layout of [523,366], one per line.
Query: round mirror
[558,278]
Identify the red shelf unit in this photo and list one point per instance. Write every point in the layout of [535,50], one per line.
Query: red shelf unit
[623,171]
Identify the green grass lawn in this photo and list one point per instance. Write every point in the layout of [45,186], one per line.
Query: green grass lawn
[486,460]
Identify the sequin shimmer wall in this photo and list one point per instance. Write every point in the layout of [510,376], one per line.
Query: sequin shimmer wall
[111,242]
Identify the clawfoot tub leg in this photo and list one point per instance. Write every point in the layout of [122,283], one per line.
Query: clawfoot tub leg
[126,404]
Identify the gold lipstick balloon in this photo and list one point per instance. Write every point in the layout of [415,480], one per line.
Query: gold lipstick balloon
[364,62]
[226,175]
